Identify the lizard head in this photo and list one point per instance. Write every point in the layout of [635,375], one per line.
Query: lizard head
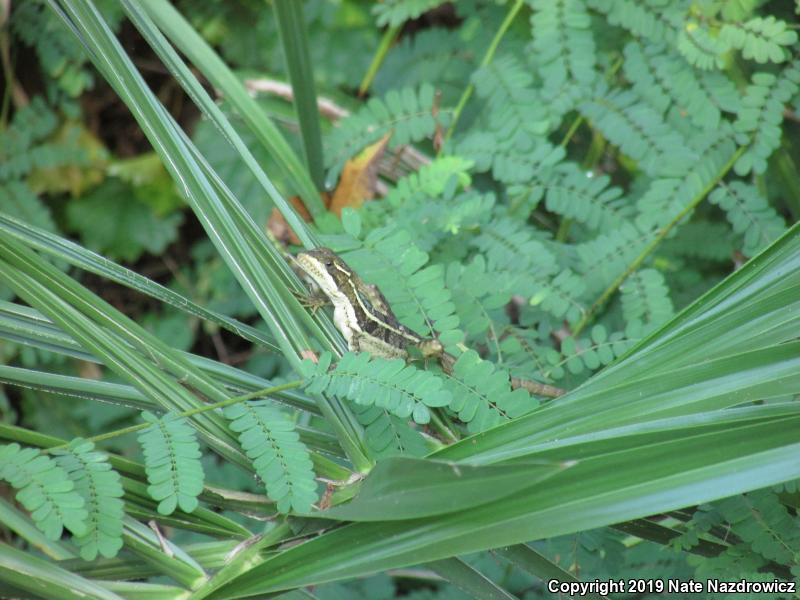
[327,270]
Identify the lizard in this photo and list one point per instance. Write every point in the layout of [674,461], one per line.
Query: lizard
[363,316]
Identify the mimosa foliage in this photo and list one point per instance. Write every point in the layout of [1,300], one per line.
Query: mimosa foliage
[410,115]
[402,390]
[172,461]
[279,457]
[101,489]
[45,489]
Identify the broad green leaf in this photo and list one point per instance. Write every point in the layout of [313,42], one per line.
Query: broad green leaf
[407,488]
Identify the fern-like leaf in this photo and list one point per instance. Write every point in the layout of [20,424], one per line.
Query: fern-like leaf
[20,202]
[701,239]
[101,489]
[396,12]
[434,54]
[428,204]
[45,490]
[527,354]
[401,389]
[441,176]
[515,111]
[645,300]
[655,20]
[507,162]
[605,257]
[701,47]
[510,247]
[562,41]
[760,39]
[750,214]
[665,199]
[760,117]
[59,56]
[280,459]
[477,293]
[721,90]
[409,115]
[482,395]
[639,131]
[20,143]
[662,79]
[172,462]
[388,435]
[560,296]
[588,354]
[572,192]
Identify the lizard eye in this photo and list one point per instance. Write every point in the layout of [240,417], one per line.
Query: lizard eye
[328,263]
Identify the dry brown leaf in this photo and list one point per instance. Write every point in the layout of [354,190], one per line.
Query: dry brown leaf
[359,177]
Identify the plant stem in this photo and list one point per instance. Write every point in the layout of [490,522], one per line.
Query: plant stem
[389,37]
[487,58]
[650,247]
[571,131]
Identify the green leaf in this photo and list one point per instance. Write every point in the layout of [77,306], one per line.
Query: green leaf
[645,299]
[45,490]
[101,489]
[172,462]
[279,458]
[760,39]
[20,202]
[646,480]
[562,42]
[401,389]
[409,114]
[749,214]
[406,488]
[41,578]
[388,435]
[701,47]
[639,131]
[760,115]
[482,394]
[396,12]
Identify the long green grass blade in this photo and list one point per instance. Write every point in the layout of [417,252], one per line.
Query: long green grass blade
[469,580]
[63,249]
[22,525]
[204,102]
[43,579]
[223,218]
[193,46]
[535,563]
[26,326]
[294,39]
[164,134]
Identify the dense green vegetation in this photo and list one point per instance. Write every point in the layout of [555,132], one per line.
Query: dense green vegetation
[596,195]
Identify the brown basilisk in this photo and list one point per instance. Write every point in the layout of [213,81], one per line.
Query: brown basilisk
[365,319]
